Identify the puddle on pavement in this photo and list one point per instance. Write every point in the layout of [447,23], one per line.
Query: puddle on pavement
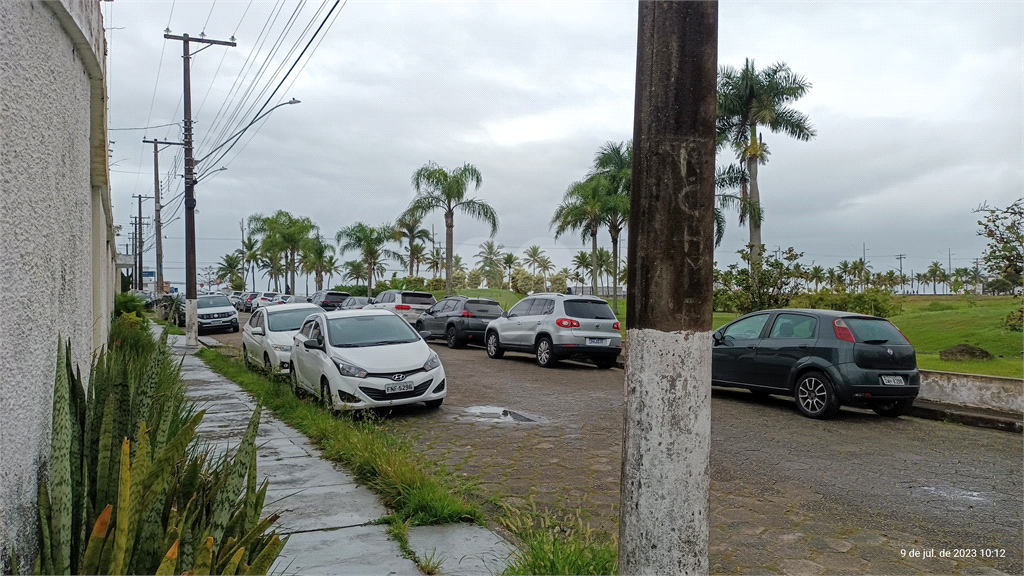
[499,415]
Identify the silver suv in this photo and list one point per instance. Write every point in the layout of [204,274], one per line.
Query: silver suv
[405,303]
[555,326]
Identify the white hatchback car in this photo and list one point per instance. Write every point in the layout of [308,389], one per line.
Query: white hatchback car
[267,336]
[354,359]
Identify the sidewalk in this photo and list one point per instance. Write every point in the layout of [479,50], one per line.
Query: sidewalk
[330,518]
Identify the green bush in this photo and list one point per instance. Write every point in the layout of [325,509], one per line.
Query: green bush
[125,303]
[351,290]
[1015,320]
[474,278]
[873,301]
[558,283]
[127,490]
[459,280]
[724,300]
[435,284]
[415,283]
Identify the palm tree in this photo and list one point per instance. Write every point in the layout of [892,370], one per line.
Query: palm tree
[489,256]
[271,262]
[816,275]
[583,209]
[438,188]
[286,232]
[457,264]
[354,271]
[314,260]
[614,161]
[331,267]
[231,267]
[532,257]
[583,263]
[434,261]
[369,242]
[545,266]
[407,227]
[250,252]
[509,261]
[934,274]
[604,264]
[749,98]
[415,254]
[844,271]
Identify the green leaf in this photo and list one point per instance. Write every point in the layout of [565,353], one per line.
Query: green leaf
[229,492]
[61,502]
[90,564]
[117,559]
[170,560]
[104,494]
[45,534]
[266,558]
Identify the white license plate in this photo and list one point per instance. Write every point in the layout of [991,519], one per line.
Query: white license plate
[598,341]
[400,387]
[892,380]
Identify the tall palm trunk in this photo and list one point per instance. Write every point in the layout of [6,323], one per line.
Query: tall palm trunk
[615,273]
[291,268]
[755,222]
[449,229]
[593,259]
[369,278]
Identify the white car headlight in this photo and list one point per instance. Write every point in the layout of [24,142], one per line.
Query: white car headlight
[347,369]
[283,347]
[432,362]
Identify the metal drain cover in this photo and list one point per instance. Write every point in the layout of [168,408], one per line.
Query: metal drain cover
[498,414]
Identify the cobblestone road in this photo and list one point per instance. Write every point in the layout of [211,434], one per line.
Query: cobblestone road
[855,495]
[789,494]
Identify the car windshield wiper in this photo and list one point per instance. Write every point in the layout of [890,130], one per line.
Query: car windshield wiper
[875,341]
[346,345]
[386,342]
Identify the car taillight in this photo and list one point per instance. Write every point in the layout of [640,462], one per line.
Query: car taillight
[842,331]
[616,326]
[402,307]
[904,336]
[467,314]
[567,323]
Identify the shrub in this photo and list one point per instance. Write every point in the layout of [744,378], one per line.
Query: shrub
[121,496]
[558,283]
[873,301]
[351,290]
[459,280]
[724,300]
[1015,320]
[435,284]
[769,283]
[125,303]
[474,278]
[415,283]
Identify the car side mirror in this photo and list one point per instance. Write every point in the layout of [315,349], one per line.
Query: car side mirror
[311,344]
[718,338]
[505,314]
[425,334]
[258,331]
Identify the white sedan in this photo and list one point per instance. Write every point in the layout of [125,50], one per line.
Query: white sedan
[365,359]
[267,336]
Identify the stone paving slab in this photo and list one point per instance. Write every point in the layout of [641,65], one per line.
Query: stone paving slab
[330,519]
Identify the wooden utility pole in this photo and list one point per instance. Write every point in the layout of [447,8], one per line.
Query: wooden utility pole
[191,327]
[663,527]
[157,224]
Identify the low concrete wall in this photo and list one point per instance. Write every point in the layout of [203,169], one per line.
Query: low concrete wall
[992,392]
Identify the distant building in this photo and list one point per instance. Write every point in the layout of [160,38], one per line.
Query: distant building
[57,251]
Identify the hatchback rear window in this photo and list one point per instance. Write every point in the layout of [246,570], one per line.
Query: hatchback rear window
[874,331]
[335,296]
[418,298]
[483,307]
[596,309]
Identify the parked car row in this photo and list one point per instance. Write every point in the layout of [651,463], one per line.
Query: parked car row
[348,359]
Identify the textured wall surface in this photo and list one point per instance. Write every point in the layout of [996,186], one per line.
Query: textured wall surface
[49,250]
[1006,394]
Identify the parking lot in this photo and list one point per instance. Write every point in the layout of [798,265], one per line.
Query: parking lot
[856,494]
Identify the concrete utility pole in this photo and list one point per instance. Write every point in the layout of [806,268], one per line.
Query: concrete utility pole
[900,257]
[663,527]
[139,239]
[191,327]
[157,224]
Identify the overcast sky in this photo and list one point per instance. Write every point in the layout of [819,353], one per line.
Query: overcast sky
[917,105]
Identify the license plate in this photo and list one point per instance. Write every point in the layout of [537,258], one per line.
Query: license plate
[598,341]
[400,387]
[892,380]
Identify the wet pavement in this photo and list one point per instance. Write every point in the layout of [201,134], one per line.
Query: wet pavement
[859,494]
[330,519]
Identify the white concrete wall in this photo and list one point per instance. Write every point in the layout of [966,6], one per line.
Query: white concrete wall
[56,236]
[1006,394]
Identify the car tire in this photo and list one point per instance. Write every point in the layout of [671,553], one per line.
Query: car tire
[245,357]
[604,363]
[816,397]
[267,365]
[325,396]
[234,328]
[545,352]
[293,381]
[451,337]
[494,349]
[434,404]
[893,408]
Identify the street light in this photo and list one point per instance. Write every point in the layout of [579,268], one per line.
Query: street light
[254,120]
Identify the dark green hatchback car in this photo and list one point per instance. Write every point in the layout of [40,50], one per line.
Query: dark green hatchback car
[823,358]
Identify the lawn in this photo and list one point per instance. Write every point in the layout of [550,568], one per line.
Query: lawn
[931,323]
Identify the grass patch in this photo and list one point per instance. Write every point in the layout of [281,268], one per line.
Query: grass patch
[358,441]
[1005,367]
[558,547]
[170,327]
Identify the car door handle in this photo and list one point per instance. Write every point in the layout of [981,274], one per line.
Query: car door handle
[752,347]
[802,346]
[539,321]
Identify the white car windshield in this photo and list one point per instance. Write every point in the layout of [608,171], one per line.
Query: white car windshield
[213,302]
[360,331]
[288,320]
